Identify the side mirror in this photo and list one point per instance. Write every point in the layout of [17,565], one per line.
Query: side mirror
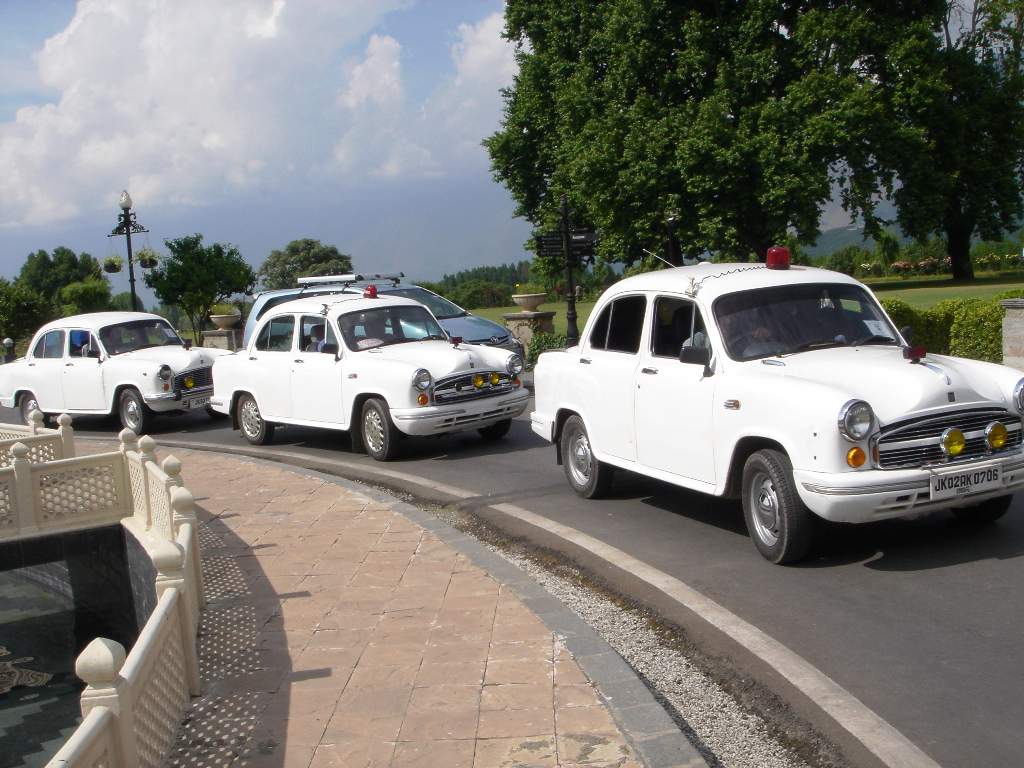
[88,351]
[907,333]
[188,343]
[694,355]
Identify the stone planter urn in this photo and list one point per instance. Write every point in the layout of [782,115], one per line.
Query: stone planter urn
[529,301]
[224,322]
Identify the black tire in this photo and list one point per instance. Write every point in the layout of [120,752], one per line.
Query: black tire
[215,415]
[496,431]
[377,431]
[134,413]
[587,475]
[251,423]
[777,520]
[986,512]
[27,403]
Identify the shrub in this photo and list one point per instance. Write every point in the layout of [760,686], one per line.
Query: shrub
[542,342]
[902,268]
[521,288]
[476,294]
[847,259]
[977,330]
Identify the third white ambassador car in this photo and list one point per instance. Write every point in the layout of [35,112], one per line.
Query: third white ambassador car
[377,366]
[788,387]
[133,364]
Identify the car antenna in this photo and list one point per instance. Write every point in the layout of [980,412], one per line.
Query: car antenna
[659,258]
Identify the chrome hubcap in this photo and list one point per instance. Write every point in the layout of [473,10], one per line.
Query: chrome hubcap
[373,430]
[764,502]
[250,418]
[30,405]
[581,460]
[131,414]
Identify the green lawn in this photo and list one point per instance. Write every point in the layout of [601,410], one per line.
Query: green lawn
[923,292]
[558,307]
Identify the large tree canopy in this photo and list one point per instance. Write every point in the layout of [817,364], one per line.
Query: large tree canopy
[735,119]
[22,310]
[47,274]
[195,277]
[302,258]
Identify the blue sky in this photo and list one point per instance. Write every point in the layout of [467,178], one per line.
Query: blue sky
[256,122]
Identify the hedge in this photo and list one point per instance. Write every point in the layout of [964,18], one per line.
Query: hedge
[542,342]
[970,328]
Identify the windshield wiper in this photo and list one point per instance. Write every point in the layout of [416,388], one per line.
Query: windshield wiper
[809,345]
[873,339]
[450,317]
[434,337]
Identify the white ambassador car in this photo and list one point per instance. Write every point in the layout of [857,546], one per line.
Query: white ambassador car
[788,387]
[395,372]
[133,364]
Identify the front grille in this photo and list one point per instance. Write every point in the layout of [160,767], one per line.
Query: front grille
[203,377]
[459,388]
[915,442]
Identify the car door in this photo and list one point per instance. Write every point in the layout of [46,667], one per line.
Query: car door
[317,373]
[270,363]
[47,366]
[82,379]
[611,357]
[674,429]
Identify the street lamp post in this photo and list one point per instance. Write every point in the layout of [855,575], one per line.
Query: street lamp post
[127,225]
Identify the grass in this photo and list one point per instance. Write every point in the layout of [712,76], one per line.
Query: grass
[926,291]
[583,309]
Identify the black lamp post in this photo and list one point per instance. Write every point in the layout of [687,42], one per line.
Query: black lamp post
[126,225]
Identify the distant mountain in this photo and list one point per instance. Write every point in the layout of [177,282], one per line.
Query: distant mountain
[832,240]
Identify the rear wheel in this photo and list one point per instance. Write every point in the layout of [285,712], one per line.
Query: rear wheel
[379,435]
[254,427]
[778,522]
[26,404]
[587,475]
[496,431]
[986,512]
[135,414]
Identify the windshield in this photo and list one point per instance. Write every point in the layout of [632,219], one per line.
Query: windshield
[442,308]
[388,325]
[138,334]
[796,318]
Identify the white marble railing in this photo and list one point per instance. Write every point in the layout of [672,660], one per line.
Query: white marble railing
[43,444]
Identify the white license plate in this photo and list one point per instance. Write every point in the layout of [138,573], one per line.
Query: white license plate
[196,402]
[949,485]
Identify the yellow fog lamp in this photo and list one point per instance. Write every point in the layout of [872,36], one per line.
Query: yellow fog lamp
[479,380]
[495,379]
[856,457]
[189,382]
[996,435]
[952,442]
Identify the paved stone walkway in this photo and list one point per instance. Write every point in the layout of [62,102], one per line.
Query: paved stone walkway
[340,633]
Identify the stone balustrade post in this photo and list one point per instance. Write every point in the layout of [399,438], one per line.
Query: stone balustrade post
[169,559]
[67,436]
[24,493]
[172,468]
[147,447]
[35,421]
[129,440]
[99,666]
[1013,332]
[184,511]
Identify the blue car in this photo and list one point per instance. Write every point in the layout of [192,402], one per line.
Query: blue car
[455,320]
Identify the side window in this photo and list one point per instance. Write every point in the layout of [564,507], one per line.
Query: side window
[53,344]
[37,351]
[626,324]
[599,336]
[676,322]
[78,342]
[317,335]
[276,336]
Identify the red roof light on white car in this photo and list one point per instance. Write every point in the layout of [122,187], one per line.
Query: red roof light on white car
[778,257]
[370,292]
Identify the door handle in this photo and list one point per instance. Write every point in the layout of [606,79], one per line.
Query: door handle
[69,365]
[297,360]
[584,361]
[253,358]
[650,371]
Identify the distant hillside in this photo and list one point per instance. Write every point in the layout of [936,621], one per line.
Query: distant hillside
[832,240]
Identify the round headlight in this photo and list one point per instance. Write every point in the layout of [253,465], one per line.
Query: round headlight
[1018,396]
[514,366]
[855,420]
[165,372]
[422,380]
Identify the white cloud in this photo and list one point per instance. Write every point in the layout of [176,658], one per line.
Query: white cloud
[377,79]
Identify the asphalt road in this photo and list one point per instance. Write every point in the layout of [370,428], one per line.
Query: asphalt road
[921,620]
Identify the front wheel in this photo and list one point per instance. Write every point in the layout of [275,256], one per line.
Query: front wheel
[254,428]
[777,519]
[984,513]
[496,431]
[587,475]
[135,414]
[26,404]
[380,436]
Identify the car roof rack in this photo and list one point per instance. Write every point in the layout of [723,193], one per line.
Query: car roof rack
[351,279]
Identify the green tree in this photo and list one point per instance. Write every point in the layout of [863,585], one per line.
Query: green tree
[734,119]
[957,101]
[195,277]
[302,258]
[90,295]
[46,274]
[22,310]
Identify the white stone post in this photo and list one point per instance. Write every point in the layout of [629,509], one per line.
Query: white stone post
[24,495]
[129,440]
[67,436]
[35,419]
[99,665]
[1013,332]
[183,506]
[172,468]
[169,560]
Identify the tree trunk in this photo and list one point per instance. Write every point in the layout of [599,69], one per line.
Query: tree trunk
[958,241]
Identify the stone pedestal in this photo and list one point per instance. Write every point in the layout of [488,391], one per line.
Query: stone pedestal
[230,338]
[524,325]
[1013,332]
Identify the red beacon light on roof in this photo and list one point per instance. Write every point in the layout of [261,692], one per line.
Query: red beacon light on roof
[370,292]
[778,257]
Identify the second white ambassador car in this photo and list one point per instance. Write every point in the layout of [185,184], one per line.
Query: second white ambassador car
[379,367]
[133,364]
[789,388]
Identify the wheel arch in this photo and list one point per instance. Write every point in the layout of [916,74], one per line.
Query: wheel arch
[745,447]
[116,398]
[357,407]
[233,409]
[561,416]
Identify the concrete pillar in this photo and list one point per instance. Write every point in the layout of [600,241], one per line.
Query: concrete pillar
[1013,332]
